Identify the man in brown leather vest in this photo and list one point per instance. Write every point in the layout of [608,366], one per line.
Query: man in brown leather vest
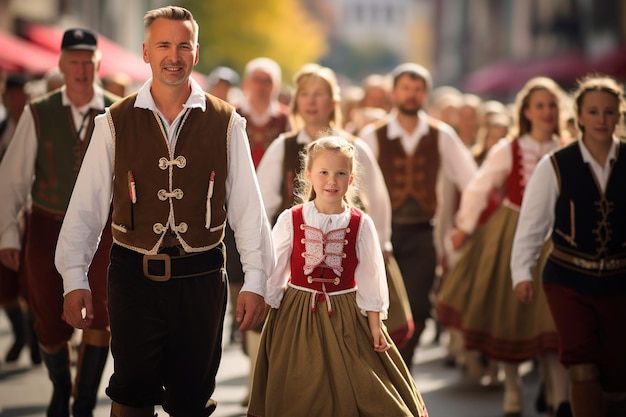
[171,158]
[413,151]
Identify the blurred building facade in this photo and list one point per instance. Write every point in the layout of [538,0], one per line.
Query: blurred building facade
[500,44]
[489,47]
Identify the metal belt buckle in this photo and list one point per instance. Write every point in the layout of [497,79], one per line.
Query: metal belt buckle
[159,257]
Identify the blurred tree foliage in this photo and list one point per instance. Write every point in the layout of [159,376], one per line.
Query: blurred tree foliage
[236,31]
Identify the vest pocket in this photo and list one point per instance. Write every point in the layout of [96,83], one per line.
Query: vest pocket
[119,227]
[216,228]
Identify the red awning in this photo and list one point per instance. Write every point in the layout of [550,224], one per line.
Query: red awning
[509,76]
[114,57]
[612,63]
[18,55]
[495,78]
[564,68]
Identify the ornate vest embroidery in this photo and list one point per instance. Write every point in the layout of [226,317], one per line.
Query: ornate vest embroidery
[324,263]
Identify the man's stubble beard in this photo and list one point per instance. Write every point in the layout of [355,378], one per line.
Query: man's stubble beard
[409,111]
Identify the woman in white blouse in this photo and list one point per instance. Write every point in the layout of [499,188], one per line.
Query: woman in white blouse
[576,199]
[477,296]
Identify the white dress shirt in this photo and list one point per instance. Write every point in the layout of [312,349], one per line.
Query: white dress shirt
[372,187]
[89,206]
[371,279]
[18,167]
[537,213]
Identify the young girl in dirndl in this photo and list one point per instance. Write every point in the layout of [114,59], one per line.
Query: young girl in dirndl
[324,350]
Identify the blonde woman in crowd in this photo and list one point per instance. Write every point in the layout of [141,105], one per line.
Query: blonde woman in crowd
[477,296]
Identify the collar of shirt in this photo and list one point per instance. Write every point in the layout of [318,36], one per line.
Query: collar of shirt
[272,110]
[394,130]
[538,148]
[97,101]
[589,159]
[601,172]
[196,99]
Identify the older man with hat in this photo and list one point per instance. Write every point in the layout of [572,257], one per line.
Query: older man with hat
[42,161]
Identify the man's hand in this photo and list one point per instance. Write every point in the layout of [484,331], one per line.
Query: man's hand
[10,258]
[78,309]
[251,310]
[524,291]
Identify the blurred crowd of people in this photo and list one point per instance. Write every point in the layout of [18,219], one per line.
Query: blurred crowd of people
[444,173]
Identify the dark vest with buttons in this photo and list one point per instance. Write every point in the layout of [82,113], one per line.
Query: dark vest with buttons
[590,226]
[170,188]
[410,179]
[60,151]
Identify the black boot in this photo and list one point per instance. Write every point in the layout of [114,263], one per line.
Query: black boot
[58,365]
[16,317]
[91,362]
[35,354]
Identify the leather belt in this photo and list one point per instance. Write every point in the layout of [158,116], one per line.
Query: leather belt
[173,263]
[599,265]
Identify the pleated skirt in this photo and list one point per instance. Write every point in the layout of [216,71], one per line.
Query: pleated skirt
[477,297]
[316,364]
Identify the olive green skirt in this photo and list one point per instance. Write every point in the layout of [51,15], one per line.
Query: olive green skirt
[477,297]
[316,364]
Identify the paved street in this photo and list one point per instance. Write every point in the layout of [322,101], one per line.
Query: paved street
[25,391]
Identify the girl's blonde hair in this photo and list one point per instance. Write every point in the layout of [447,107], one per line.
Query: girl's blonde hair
[522,124]
[304,191]
[597,82]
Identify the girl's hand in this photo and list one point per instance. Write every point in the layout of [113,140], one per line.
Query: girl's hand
[524,291]
[380,342]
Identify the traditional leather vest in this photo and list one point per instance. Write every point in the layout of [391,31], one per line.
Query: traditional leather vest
[181,194]
[60,151]
[410,179]
[589,233]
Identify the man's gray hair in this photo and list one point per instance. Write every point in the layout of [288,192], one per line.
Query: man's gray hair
[173,13]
